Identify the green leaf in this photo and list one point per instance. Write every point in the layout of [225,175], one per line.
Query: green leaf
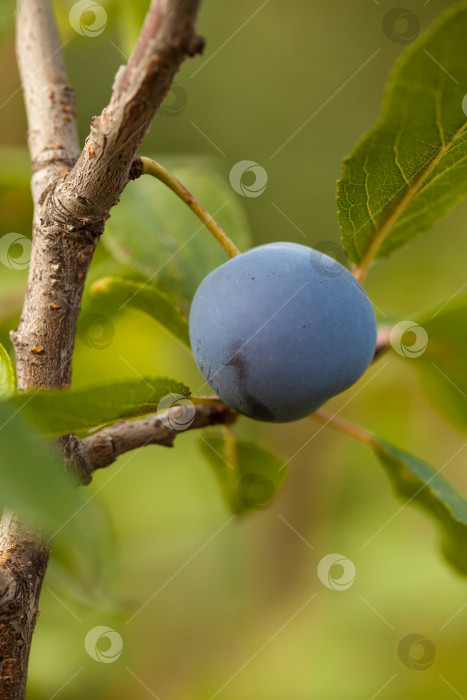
[411,168]
[7,375]
[416,483]
[156,233]
[249,476]
[34,485]
[61,411]
[125,292]
[32,482]
[443,363]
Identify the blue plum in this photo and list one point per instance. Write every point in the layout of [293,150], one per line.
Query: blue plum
[278,330]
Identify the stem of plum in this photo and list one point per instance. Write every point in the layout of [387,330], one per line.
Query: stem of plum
[151,167]
[343,426]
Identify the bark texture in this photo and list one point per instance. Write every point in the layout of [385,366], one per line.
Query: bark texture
[102,449]
[73,193]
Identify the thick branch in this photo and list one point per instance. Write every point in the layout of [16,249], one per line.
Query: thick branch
[24,557]
[53,144]
[70,213]
[102,171]
[70,209]
[103,448]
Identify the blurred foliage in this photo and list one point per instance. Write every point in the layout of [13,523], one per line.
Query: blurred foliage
[32,482]
[169,245]
[249,475]
[224,598]
[443,362]
[416,483]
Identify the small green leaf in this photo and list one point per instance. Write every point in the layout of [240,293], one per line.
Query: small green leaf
[443,363]
[7,375]
[416,483]
[144,296]
[249,476]
[156,233]
[61,411]
[411,168]
[32,482]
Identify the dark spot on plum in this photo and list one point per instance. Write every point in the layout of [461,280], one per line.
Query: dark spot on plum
[256,408]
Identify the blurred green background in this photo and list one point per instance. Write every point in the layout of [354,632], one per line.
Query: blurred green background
[227,610]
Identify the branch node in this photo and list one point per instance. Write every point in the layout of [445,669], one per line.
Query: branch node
[193,44]
[136,169]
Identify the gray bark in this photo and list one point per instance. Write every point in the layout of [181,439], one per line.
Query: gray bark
[102,449]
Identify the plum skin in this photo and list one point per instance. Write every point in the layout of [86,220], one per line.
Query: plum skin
[275,334]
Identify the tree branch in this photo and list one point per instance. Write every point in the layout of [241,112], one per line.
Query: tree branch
[102,449]
[71,209]
[49,100]
[72,196]
[102,171]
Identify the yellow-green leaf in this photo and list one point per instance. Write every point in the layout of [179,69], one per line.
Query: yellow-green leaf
[7,375]
[123,292]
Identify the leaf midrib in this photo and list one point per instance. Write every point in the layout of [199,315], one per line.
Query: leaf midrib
[412,190]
